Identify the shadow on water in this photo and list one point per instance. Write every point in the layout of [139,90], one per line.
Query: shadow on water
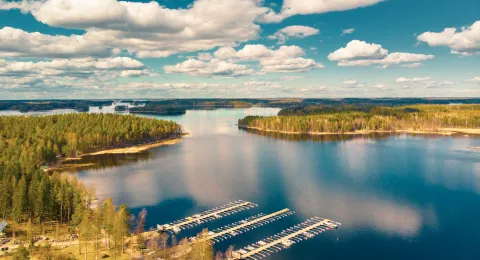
[342,137]
[107,161]
[317,138]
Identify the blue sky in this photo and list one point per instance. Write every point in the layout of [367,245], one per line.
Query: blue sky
[239,48]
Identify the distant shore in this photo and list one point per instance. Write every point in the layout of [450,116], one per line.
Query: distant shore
[440,131]
[61,165]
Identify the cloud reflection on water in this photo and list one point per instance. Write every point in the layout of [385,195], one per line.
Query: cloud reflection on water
[365,183]
[313,195]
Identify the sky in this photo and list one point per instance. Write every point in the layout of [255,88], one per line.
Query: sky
[99,49]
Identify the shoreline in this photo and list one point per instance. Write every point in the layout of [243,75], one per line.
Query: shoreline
[440,131]
[124,150]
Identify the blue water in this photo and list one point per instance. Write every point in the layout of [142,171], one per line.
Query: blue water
[397,197]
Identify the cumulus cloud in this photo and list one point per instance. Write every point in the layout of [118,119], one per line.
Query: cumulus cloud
[60,75]
[297,31]
[428,82]
[293,77]
[145,29]
[464,42]
[212,68]
[380,86]
[353,84]
[289,65]
[474,80]
[136,73]
[227,59]
[359,50]
[412,65]
[205,56]
[18,43]
[348,31]
[403,79]
[295,7]
[360,53]
[313,88]
[75,66]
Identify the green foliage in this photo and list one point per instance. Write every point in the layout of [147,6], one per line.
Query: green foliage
[21,253]
[158,109]
[328,119]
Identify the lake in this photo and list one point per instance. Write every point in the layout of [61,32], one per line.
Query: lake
[397,196]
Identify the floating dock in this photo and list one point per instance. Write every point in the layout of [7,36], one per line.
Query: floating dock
[207,216]
[246,225]
[305,230]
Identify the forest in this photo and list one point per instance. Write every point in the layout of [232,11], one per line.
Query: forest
[349,119]
[30,198]
[27,143]
[156,109]
[44,105]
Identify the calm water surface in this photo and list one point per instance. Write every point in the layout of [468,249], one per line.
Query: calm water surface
[398,197]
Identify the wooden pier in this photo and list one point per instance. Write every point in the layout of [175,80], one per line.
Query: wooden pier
[246,225]
[207,216]
[305,230]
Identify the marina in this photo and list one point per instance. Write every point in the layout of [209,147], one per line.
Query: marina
[246,225]
[207,216]
[304,231]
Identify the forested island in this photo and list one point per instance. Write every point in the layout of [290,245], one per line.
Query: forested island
[36,203]
[441,119]
[156,109]
[45,105]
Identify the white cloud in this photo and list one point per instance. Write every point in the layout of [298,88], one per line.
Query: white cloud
[423,82]
[119,63]
[24,6]
[59,66]
[359,50]
[145,29]
[212,68]
[18,43]
[205,56]
[136,73]
[412,65]
[380,86]
[474,80]
[464,42]
[360,53]
[404,80]
[289,65]
[295,7]
[293,77]
[67,74]
[353,84]
[283,59]
[312,89]
[296,31]
[348,31]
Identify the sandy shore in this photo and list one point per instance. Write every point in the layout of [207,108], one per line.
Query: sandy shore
[61,165]
[440,131]
[136,148]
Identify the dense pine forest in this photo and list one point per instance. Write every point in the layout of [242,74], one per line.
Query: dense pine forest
[347,119]
[156,109]
[28,142]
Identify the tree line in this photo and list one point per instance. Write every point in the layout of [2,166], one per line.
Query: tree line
[376,118]
[43,105]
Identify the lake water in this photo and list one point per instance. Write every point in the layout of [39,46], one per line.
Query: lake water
[397,197]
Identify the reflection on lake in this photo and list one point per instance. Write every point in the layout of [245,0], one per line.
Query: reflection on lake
[398,197]
[108,160]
